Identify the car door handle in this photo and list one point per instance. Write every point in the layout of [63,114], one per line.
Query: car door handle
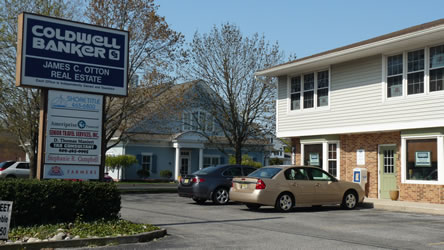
[317,185]
[294,184]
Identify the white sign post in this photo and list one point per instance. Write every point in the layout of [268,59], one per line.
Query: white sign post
[73,135]
[5,218]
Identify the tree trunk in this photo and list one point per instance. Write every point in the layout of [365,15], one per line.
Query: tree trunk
[32,164]
[238,153]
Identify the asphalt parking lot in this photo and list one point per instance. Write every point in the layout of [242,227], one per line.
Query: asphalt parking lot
[192,226]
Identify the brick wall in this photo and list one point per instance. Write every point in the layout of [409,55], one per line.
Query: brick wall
[350,143]
[369,142]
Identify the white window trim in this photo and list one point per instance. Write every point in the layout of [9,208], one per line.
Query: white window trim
[325,155]
[440,150]
[151,160]
[315,90]
[426,71]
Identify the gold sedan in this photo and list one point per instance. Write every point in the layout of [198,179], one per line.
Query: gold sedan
[285,187]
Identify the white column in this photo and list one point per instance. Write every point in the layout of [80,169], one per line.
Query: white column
[302,154]
[440,142]
[325,156]
[200,158]
[176,164]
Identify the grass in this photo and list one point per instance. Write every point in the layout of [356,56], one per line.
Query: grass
[99,228]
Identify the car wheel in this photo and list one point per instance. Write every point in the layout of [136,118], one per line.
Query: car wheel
[253,206]
[350,200]
[220,196]
[199,201]
[11,177]
[284,202]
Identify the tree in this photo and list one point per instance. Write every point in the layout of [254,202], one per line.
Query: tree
[242,105]
[19,107]
[120,161]
[154,49]
[246,160]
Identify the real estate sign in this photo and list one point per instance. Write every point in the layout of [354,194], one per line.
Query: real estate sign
[73,135]
[61,54]
[5,218]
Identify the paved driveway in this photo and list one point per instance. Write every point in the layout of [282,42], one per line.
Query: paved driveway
[232,226]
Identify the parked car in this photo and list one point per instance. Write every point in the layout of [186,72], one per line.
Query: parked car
[285,187]
[13,169]
[213,183]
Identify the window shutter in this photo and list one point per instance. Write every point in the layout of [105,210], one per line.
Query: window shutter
[222,160]
[139,159]
[154,164]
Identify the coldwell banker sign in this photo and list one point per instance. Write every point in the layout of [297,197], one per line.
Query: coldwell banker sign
[67,55]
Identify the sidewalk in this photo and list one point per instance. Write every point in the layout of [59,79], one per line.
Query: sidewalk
[404,206]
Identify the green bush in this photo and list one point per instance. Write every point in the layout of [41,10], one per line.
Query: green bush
[246,160]
[143,173]
[56,201]
[275,161]
[166,173]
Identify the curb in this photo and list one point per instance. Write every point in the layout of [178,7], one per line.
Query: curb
[407,209]
[148,191]
[142,237]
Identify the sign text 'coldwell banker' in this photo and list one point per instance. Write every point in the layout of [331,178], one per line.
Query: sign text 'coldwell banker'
[67,55]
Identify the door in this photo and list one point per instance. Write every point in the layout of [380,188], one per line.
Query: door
[302,188]
[184,163]
[327,188]
[387,171]
[22,170]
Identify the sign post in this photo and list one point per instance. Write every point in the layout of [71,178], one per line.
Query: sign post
[57,56]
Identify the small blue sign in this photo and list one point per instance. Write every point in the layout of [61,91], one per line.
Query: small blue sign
[65,55]
[357,176]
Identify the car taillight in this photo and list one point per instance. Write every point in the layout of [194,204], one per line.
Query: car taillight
[260,184]
[1,169]
[197,180]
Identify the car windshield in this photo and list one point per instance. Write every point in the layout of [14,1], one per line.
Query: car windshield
[265,172]
[205,171]
[6,164]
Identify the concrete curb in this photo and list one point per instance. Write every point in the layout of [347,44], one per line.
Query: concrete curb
[410,208]
[143,237]
[148,191]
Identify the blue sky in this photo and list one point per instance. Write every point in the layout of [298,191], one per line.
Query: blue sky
[301,27]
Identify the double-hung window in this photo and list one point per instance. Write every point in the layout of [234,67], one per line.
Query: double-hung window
[415,72]
[146,161]
[309,90]
[394,76]
[436,68]
[296,93]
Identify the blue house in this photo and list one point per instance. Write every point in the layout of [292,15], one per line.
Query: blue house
[179,135]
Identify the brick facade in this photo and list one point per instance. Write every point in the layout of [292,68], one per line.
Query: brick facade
[350,143]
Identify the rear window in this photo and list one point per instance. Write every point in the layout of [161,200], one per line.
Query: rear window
[6,164]
[265,173]
[205,171]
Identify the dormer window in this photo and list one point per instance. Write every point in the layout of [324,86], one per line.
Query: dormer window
[197,121]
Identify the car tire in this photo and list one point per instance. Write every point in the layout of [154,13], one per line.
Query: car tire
[221,196]
[199,201]
[284,202]
[350,200]
[253,206]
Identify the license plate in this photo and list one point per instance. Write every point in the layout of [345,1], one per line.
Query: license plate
[244,186]
[186,181]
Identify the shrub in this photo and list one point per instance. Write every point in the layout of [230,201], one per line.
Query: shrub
[56,201]
[275,161]
[143,173]
[166,173]
[246,160]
